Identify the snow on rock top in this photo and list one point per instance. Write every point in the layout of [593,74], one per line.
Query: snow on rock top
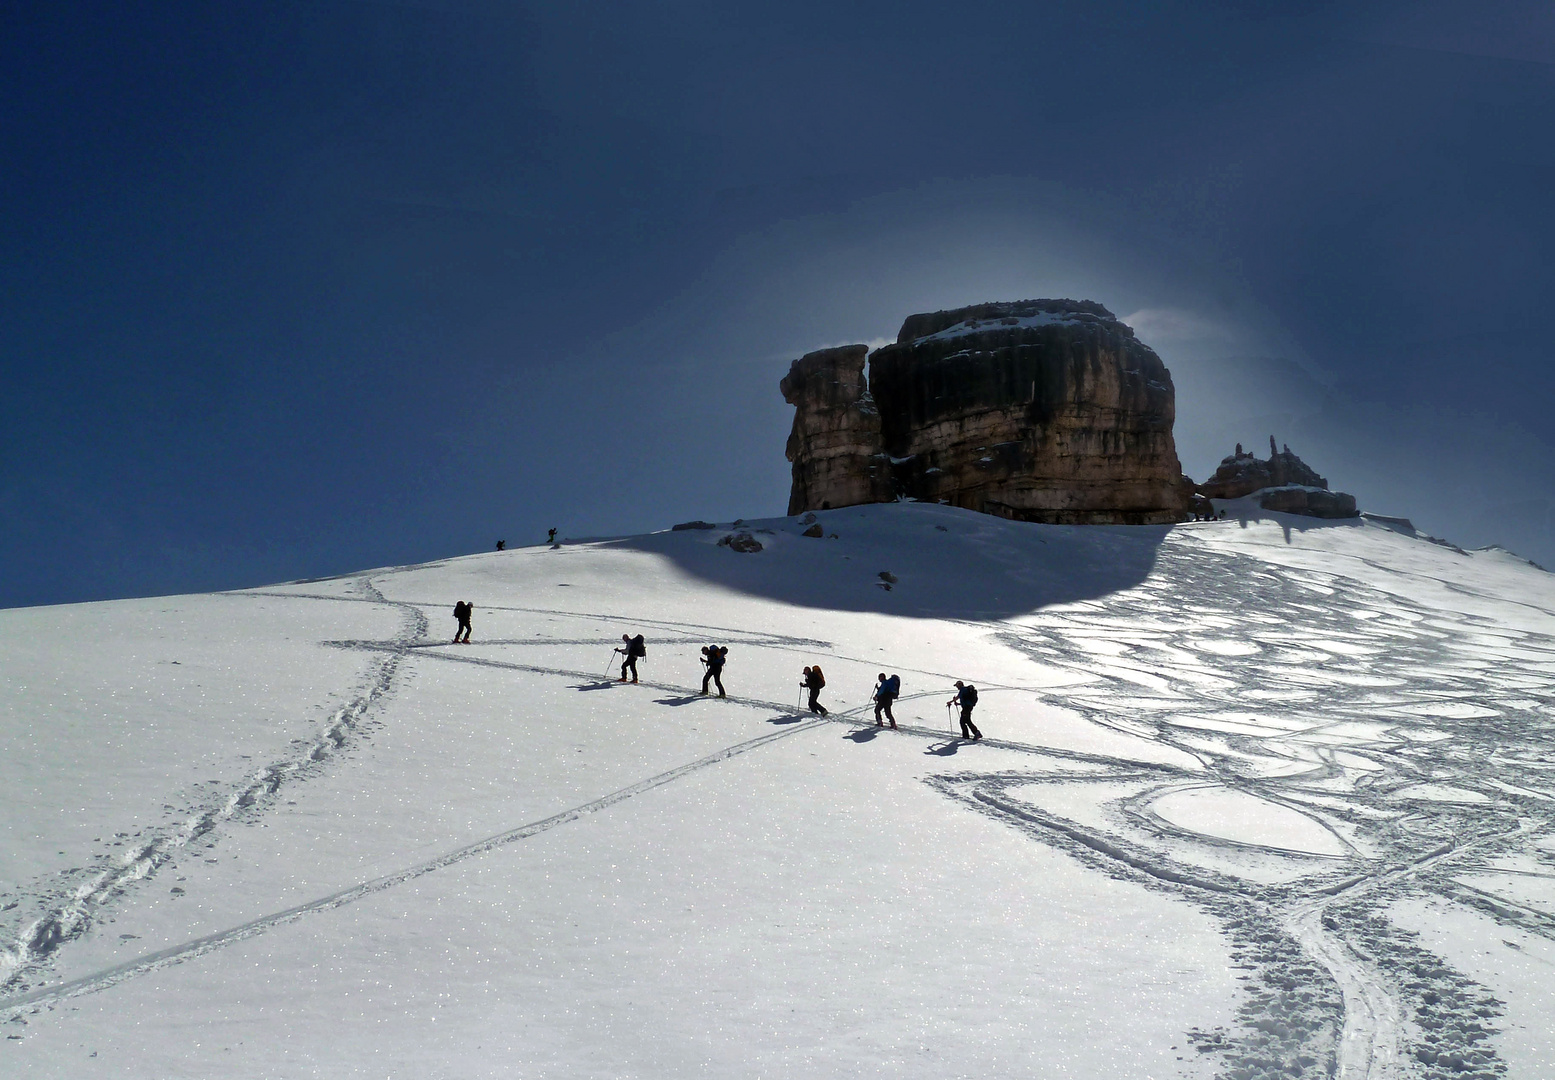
[1008,322]
[993,315]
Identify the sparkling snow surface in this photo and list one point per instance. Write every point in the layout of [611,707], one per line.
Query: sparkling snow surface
[1263,797]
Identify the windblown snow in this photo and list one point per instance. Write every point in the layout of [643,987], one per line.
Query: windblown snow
[1266,797]
[1010,322]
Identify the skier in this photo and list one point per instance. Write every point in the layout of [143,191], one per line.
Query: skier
[966,697]
[885,693]
[552,538]
[635,650]
[463,610]
[502,545]
[813,681]
[713,656]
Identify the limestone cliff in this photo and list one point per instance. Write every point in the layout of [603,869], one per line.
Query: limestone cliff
[835,443]
[1041,410]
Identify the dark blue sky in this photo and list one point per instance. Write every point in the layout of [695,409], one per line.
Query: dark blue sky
[289,289]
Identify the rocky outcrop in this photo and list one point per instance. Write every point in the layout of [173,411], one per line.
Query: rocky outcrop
[1311,501]
[742,542]
[1242,473]
[1041,410]
[835,443]
[1287,483]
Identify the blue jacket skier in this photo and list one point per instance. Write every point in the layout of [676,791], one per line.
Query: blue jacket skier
[885,693]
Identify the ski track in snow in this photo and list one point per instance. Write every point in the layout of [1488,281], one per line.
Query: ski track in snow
[69,915]
[1412,744]
[101,980]
[1399,706]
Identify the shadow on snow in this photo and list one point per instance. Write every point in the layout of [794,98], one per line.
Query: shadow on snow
[942,562]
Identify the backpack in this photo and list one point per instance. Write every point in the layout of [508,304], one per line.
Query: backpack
[893,685]
[969,696]
[817,680]
[635,647]
[459,611]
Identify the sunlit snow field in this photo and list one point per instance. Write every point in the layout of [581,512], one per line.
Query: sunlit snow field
[1259,797]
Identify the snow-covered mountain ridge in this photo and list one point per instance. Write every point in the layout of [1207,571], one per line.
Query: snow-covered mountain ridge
[1266,796]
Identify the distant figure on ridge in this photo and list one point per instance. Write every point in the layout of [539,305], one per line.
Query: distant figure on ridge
[885,693]
[966,697]
[552,538]
[813,681]
[634,651]
[501,545]
[713,656]
[463,611]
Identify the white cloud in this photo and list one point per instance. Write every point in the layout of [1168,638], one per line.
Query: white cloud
[1166,324]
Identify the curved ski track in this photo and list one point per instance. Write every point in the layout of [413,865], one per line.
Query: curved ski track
[1391,696]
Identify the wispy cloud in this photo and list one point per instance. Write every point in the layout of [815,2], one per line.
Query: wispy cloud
[1166,324]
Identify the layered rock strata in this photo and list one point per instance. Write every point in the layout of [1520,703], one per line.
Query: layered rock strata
[835,443]
[1040,410]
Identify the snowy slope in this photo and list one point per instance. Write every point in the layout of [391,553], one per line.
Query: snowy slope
[1263,797]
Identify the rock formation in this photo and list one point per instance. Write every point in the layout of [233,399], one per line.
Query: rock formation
[740,541]
[835,444]
[1041,410]
[1288,484]
[1242,473]
[1311,501]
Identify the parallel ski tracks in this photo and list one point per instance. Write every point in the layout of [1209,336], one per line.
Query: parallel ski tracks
[72,914]
[189,950]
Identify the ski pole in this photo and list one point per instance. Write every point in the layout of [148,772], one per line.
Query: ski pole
[610,664]
[950,724]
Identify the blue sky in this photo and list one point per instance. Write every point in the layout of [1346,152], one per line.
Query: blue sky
[290,289]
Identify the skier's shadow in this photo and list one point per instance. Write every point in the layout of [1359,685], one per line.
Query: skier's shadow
[674,702]
[862,735]
[946,749]
[584,687]
[792,718]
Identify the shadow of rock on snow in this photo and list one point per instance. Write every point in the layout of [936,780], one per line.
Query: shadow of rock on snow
[916,559]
